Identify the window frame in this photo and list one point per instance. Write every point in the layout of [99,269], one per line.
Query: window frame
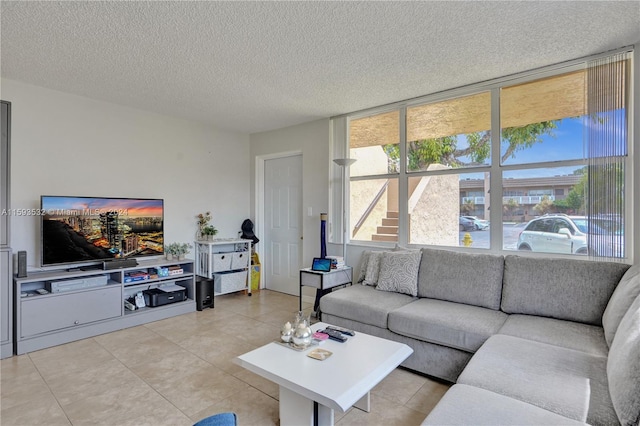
[495,169]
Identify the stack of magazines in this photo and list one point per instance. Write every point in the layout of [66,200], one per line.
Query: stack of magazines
[337,262]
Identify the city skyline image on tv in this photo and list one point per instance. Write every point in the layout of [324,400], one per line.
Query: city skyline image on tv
[85,229]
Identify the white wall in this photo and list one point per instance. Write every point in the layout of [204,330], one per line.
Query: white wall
[63,144]
[312,140]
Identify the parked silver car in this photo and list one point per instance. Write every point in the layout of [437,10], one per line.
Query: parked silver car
[479,224]
[559,233]
[466,224]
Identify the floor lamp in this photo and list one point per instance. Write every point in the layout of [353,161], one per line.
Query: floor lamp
[344,163]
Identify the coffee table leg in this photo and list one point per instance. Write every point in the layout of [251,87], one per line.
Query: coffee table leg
[296,410]
[364,403]
[324,415]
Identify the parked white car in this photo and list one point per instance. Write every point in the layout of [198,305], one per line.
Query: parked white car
[559,233]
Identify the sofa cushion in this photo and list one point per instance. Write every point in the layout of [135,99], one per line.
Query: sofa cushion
[467,405]
[433,360]
[565,381]
[474,279]
[623,296]
[373,268]
[362,270]
[568,334]
[623,367]
[569,289]
[399,272]
[445,323]
[363,303]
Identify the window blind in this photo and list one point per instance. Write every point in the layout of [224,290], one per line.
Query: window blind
[606,147]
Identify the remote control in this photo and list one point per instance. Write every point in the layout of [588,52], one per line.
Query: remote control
[41,291]
[335,335]
[130,306]
[341,330]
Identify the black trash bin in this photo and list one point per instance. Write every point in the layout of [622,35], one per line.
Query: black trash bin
[204,293]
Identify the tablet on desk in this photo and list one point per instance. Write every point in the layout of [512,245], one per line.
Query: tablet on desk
[321,265]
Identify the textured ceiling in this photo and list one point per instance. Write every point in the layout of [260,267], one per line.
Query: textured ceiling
[256,66]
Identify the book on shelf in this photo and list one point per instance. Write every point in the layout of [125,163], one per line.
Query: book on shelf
[337,262]
[134,276]
[175,270]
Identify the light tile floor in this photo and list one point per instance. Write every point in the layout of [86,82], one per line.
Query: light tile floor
[179,370]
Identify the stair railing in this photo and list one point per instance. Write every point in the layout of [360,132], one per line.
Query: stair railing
[369,209]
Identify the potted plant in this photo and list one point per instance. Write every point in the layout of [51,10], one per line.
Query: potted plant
[171,250]
[203,222]
[182,249]
[209,232]
[178,250]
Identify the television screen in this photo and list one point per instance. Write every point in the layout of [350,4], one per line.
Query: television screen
[86,229]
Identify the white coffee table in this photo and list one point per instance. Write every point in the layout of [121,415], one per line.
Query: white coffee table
[310,390]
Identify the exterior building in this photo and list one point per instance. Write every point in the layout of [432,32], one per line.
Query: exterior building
[519,196]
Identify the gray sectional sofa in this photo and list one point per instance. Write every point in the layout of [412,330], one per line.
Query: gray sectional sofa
[526,340]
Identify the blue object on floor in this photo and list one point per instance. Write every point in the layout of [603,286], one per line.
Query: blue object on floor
[220,419]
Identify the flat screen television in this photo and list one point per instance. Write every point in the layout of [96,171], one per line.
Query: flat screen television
[89,229]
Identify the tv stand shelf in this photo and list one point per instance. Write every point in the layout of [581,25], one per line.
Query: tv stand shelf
[91,305]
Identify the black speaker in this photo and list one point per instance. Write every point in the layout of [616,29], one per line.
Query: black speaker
[22,264]
[204,293]
[119,264]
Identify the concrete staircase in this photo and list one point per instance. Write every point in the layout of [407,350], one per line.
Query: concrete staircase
[389,229]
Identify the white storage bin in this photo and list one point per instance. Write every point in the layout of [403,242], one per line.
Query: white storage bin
[239,259]
[230,281]
[221,262]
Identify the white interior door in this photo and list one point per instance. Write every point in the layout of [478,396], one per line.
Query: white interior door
[283,223]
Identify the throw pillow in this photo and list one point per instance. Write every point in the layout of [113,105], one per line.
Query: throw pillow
[398,247]
[623,296]
[623,367]
[399,272]
[373,268]
[364,260]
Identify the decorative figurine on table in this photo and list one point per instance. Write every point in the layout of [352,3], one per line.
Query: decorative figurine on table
[287,332]
[302,335]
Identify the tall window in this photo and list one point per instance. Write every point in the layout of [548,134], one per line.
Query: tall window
[374,177]
[427,172]
[448,146]
[541,149]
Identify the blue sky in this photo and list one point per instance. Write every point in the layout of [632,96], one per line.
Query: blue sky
[568,143]
[565,144]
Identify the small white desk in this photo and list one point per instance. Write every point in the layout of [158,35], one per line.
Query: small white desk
[310,390]
[325,280]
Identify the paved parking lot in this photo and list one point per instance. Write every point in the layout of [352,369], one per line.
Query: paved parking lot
[510,233]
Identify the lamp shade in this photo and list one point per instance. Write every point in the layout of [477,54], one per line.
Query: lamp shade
[344,162]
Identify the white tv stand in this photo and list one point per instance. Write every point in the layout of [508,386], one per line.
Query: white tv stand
[44,320]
